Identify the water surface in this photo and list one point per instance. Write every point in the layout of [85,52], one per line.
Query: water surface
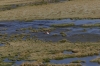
[74,33]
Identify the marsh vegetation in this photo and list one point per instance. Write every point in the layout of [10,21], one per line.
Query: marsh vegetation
[91,25]
[63,25]
[28,41]
[96,60]
[70,42]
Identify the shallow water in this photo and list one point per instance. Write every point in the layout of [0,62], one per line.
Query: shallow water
[67,52]
[74,33]
[16,63]
[63,61]
[69,60]
[2,44]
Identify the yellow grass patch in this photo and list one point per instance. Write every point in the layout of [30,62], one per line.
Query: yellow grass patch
[44,51]
[9,2]
[67,9]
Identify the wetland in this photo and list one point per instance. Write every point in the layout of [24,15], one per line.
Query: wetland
[49,33]
[70,42]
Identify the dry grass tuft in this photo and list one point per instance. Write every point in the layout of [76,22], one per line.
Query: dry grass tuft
[41,64]
[41,51]
[96,60]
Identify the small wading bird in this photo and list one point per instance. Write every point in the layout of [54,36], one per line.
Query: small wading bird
[47,32]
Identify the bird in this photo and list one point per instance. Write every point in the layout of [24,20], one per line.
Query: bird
[47,32]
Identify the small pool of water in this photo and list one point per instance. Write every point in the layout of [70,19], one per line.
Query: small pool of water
[16,63]
[67,52]
[69,60]
[7,60]
[2,44]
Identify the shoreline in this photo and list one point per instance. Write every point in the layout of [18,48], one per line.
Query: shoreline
[49,19]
